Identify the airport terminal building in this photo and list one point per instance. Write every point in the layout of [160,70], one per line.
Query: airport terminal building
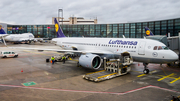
[115,30]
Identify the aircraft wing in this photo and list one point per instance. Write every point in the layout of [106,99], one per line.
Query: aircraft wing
[4,35]
[40,49]
[74,51]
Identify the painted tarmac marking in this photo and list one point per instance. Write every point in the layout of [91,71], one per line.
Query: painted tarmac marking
[29,83]
[166,77]
[99,92]
[141,75]
[170,76]
[175,80]
[146,74]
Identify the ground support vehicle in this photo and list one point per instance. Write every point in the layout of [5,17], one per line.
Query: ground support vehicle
[111,69]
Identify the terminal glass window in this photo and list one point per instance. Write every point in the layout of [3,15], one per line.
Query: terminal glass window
[103,31]
[115,31]
[120,25]
[126,33]
[163,23]
[132,33]
[91,30]
[126,25]
[151,24]
[177,22]
[109,30]
[170,22]
[132,25]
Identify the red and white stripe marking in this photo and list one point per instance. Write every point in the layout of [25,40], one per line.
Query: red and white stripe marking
[82,91]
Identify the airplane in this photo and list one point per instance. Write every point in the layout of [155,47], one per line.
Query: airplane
[94,49]
[17,38]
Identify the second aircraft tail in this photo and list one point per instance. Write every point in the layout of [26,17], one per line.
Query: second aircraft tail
[59,31]
[148,32]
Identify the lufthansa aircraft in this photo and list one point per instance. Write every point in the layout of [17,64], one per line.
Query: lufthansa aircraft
[17,38]
[94,49]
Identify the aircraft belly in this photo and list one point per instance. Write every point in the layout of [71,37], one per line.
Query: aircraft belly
[152,60]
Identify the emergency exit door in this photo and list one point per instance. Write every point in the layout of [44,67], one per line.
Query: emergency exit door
[141,48]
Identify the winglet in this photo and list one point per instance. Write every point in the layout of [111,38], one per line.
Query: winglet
[148,32]
[59,31]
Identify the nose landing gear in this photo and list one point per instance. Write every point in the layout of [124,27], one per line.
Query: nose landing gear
[146,70]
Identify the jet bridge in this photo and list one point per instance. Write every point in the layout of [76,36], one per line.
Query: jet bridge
[111,69]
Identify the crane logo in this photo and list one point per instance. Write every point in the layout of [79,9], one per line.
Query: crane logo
[57,27]
[147,32]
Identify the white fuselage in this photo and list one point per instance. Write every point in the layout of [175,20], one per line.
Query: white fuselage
[19,37]
[142,50]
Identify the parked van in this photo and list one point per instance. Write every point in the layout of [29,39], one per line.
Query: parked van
[5,54]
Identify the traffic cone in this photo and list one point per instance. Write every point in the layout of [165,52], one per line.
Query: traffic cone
[21,70]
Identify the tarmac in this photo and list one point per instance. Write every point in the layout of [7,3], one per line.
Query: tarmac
[30,78]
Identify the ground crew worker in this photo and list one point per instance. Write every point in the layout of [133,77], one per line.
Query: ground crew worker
[52,59]
[63,58]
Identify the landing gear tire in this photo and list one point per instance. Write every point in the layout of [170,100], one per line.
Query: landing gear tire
[168,64]
[146,71]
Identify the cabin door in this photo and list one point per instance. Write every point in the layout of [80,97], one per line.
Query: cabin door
[141,48]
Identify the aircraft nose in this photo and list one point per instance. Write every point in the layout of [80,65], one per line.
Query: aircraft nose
[174,56]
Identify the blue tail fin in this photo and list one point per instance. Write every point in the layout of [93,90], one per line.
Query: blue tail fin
[1,30]
[59,31]
[148,32]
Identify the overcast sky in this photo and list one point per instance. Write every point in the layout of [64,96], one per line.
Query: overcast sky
[106,11]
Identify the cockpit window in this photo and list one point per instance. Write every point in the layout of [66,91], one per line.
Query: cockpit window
[155,47]
[165,48]
[160,48]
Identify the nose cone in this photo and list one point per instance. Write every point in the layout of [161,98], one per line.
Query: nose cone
[174,57]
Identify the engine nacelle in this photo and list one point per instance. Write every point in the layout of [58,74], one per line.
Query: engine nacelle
[91,61]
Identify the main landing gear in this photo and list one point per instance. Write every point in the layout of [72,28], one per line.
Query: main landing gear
[146,70]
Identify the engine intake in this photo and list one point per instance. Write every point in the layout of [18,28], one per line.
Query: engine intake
[91,61]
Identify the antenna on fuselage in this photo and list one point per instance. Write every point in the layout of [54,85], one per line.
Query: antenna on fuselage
[123,36]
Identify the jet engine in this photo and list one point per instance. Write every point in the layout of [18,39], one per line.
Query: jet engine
[91,61]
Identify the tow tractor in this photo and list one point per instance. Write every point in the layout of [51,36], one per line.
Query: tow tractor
[113,69]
